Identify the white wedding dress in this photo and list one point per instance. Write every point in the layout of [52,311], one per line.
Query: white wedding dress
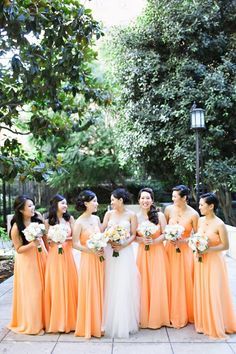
[122,291]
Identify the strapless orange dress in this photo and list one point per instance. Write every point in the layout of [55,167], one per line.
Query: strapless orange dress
[28,292]
[213,308]
[181,281]
[90,293]
[153,266]
[61,287]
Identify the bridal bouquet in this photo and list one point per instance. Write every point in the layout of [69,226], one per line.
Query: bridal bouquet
[97,242]
[33,232]
[198,243]
[147,229]
[116,234]
[174,233]
[58,234]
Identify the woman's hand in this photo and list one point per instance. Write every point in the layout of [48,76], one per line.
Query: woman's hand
[139,239]
[100,253]
[203,252]
[117,246]
[182,240]
[37,242]
[147,240]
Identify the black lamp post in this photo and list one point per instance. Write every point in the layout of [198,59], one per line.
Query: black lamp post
[197,121]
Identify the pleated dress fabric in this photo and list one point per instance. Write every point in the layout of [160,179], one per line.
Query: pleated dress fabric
[28,292]
[153,266]
[61,289]
[213,308]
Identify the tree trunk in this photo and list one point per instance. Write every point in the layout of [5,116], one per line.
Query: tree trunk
[4,202]
[225,199]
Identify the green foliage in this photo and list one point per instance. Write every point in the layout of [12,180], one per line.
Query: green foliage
[178,52]
[15,160]
[47,84]
[89,158]
[221,174]
[3,234]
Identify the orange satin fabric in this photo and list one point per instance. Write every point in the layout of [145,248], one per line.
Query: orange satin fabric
[181,283]
[213,308]
[28,292]
[90,293]
[153,266]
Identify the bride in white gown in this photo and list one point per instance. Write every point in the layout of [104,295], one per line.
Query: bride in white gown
[122,281]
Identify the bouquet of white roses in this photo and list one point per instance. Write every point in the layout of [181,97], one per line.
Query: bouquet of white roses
[58,234]
[147,229]
[116,234]
[198,243]
[33,232]
[97,242]
[174,233]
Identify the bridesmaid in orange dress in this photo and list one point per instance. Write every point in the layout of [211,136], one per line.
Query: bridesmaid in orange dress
[61,275]
[153,266]
[213,308]
[91,270]
[29,269]
[181,264]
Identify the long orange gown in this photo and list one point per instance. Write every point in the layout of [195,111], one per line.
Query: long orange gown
[181,281]
[28,292]
[61,286]
[90,293]
[153,266]
[213,308]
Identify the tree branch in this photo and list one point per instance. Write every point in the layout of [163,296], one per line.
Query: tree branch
[10,103]
[14,132]
[83,127]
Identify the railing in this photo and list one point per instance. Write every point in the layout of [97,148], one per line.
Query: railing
[232,241]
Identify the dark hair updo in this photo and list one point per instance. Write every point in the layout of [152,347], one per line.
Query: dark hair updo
[153,212]
[182,190]
[121,193]
[84,196]
[18,206]
[210,198]
[52,214]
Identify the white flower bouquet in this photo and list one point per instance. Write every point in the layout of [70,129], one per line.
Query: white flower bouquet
[198,244]
[116,234]
[147,229]
[58,234]
[174,233]
[97,242]
[33,232]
